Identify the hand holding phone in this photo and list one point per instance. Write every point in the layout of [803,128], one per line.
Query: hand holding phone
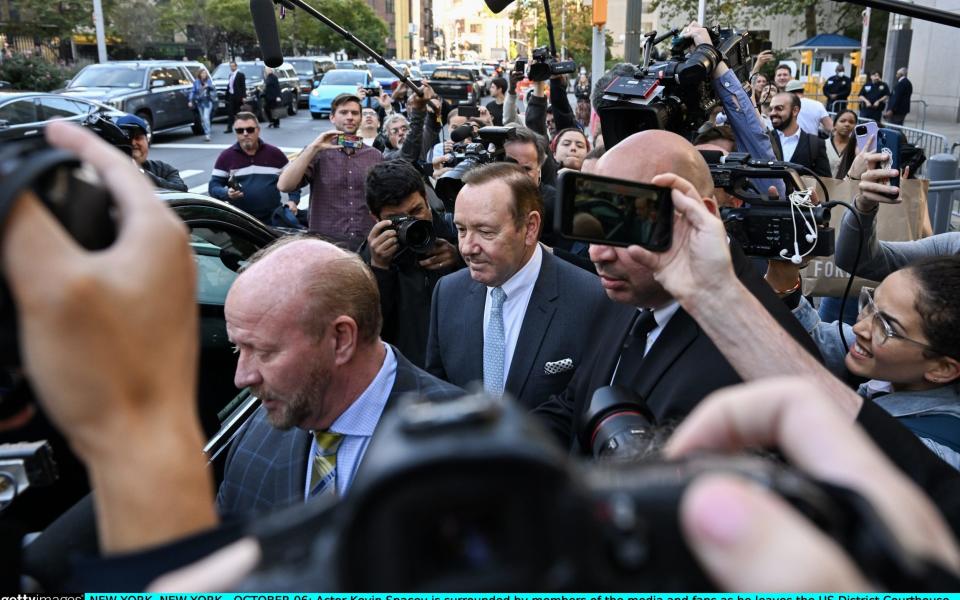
[346,140]
[888,142]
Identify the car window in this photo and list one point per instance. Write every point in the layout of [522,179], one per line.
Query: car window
[62,108]
[194,70]
[109,76]
[19,112]
[380,71]
[169,76]
[219,254]
[453,74]
[344,77]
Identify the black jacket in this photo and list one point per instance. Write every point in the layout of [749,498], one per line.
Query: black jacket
[239,86]
[163,176]
[271,91]
[811,152]
[900,99]
[837,87]
[681,368]
[405,293]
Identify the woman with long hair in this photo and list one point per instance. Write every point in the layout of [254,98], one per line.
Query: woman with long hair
[202,97]
[757,83]
[842,137]
[581,89]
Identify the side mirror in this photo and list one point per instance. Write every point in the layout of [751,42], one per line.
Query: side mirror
[316,83]
[4,123]
[157,83]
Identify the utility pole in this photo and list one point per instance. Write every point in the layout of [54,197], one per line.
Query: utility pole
[563,30]
[599,48]
[631,41]
[101,39]
[863,42]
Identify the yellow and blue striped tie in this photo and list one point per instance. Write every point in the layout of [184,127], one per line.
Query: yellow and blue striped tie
[323,478]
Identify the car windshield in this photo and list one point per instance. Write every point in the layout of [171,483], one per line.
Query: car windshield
[343,77]
[380,71]
[109,76]
[250,71]
[303,67]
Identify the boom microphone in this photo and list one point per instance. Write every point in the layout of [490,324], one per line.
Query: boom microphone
[265,22]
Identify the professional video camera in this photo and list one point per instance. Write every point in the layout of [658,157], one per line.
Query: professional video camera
[473,494]
[790,229]
[674,94]
[543,65]
[416,235]
[470,151]
[22,466]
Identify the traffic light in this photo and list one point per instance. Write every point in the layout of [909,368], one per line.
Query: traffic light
[599,13]
[854,63]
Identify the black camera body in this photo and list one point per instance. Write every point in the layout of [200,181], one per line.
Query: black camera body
[414,234]
[770,228]
[543,65]
[485,147]
[674,94]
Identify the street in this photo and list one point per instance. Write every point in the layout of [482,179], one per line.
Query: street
[195,158]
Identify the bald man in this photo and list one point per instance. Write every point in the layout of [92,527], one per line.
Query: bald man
[304,317]
[650,345]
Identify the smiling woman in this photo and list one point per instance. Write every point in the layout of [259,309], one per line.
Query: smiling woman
[908,348]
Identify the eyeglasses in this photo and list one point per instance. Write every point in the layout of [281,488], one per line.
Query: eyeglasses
[881,325]
[400,129]
[245,130]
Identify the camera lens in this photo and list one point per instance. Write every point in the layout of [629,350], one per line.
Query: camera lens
[616,425]
[417,235]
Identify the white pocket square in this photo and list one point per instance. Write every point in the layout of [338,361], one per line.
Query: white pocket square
[560,366]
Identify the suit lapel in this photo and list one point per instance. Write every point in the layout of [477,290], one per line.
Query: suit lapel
[536,322]
[679,333]
[471,326]
[801,155]
[775,142]
[300,447]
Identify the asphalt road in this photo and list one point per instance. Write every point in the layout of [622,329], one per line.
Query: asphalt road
[194,157]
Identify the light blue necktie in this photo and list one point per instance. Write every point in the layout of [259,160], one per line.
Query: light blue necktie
[494,345]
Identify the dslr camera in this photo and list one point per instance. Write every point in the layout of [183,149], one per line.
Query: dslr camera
[414,234]
[470,152]
[673,94]
[543,65]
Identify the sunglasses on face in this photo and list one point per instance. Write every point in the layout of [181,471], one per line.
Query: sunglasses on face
[243,130]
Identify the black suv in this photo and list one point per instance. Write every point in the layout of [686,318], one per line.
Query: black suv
[254,72]
[310,70]
[155,90]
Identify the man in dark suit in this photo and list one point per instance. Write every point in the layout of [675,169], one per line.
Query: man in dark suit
[657,352]
[305,318]
[899,105]
[236,92]
[837,89]
[517,317]
[792,144]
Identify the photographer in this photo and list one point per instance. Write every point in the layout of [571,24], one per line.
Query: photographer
[163,175]
[405,278]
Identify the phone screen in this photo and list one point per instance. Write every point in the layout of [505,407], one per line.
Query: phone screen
[349,141]
[615,212]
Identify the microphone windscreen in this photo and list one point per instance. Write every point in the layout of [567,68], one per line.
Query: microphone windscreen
[464,132]
[265,22]
[497,5]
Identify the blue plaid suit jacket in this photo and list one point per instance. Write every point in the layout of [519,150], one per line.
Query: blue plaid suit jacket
[266,467]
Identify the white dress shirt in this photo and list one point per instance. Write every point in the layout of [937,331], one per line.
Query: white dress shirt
[518,288]
[789,143]
[233,75]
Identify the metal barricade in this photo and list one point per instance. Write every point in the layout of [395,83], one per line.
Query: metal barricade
[932,143]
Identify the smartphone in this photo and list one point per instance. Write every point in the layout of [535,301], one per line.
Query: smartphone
[888,142]
[615,212]
[863,132]
[346,140]
[766,45]
[520,66]
[373,91]
[468,110]
[232,182]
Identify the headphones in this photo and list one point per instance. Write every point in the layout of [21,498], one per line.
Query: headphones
[800,200]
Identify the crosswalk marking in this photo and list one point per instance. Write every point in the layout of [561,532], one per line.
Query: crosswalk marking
[189,173]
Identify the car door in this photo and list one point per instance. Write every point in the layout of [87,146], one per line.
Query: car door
[19,118]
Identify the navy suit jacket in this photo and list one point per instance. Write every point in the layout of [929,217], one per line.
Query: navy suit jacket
[266,467]
[563,307]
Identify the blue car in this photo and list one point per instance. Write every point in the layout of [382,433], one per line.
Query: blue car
[334,83]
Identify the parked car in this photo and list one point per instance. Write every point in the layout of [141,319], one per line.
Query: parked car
[428,68]
[223,239]
[310,71]
[254,71]
[157,91]
[385,78]
[24,114]
[351,64]
[454,84]
[334,83]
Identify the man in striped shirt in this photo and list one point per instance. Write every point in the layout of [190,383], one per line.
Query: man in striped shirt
[246,173]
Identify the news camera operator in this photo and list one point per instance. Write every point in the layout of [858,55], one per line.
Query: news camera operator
[879,258]
[406,263]
[99,392]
